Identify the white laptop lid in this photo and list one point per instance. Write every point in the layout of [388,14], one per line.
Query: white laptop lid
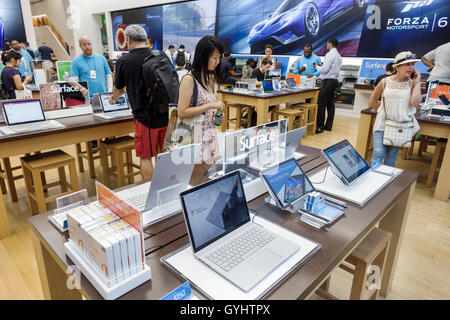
[22,111]
[293,139]
[173,171]
[120,104]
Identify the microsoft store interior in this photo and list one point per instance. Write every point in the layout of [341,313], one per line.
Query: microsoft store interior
[224,150]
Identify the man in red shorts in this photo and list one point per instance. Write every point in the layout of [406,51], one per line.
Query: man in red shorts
[150,127]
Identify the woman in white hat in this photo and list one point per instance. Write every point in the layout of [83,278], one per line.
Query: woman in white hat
[401,94]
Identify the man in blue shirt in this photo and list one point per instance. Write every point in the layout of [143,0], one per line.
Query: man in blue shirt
[93,68]
[304,65]
[26,64]
[45,52]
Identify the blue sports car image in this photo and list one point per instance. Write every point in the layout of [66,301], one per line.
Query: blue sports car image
[297,19]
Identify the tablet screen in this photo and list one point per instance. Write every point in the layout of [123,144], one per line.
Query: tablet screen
[347,160]
[287,182]
[120,104]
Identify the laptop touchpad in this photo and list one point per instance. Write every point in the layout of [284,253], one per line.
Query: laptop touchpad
[265,260]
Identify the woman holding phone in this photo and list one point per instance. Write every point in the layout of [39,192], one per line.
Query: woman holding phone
[400,95]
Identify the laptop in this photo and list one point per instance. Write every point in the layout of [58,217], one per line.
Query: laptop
[26,115]
[121,107]
[293,139]
[275,73]
[267,85]
[287,184]
[291,83]
[251,84]
[171,176]
[224,237]
[96,104]
[348,164]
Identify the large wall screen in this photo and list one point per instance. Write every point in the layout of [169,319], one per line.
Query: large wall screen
[365,30]
[11,22]
[177,23]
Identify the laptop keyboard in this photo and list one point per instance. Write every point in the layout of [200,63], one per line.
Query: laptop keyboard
[234,252]
[38,126]
[138,200]
[119,114]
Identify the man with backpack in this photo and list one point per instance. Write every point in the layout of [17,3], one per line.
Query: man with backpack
[150,122]
[181,58]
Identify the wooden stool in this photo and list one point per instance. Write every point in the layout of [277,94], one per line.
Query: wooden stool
[117,147]
[291,115]
[33,167]
[310,109]
[371,251]
[90,154]
[7,175]
[438,156]
[239,110]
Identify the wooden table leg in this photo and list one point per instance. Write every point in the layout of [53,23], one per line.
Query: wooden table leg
[395,223]
[443,183]
[5,229]
[52,275]
[364,135]
[262,109]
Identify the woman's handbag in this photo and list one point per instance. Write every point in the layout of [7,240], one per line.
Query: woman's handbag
[397,134]
[180,133]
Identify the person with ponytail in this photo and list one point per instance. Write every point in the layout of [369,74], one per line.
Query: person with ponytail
[11,78]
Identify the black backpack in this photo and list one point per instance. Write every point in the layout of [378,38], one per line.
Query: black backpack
[180,60]
[160,81]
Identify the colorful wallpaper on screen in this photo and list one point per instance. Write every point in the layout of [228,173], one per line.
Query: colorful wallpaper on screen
[177,23]
[245,26]
[11,22]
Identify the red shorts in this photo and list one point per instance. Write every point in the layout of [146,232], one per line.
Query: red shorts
[148,142]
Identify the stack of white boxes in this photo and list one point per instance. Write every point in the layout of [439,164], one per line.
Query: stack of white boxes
[107,243]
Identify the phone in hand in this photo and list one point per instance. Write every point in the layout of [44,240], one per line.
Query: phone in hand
[413,75]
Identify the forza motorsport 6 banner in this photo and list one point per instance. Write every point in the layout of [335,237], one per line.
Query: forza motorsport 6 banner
[394,26]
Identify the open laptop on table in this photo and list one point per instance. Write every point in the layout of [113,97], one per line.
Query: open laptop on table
[171,176]
[347,163]
[96,104]
[120,109]
[224,237]
[287,184]
[26,115]
[291,85]
[251,84]
[293,139]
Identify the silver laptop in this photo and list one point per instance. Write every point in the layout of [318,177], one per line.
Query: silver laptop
[26,115]
[293,139]
[224,237]
[251,84]
[121,107]
[96,104]
[348,164]
[171,176]
[287,184]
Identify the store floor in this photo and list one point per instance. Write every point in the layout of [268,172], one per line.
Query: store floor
[422,270]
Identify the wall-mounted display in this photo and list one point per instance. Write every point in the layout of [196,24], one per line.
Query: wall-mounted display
[11,22]
[364,30]
[177,23]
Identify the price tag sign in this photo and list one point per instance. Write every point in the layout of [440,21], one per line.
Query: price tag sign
[183,292]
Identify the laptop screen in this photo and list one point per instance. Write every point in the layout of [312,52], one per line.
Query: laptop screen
[64,95]
[121,103]
[214,209]
[267,85]
[287,181]
[291,83]
[347,160]
[25,111]
[275,73]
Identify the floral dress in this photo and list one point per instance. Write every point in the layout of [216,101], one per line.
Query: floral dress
[205,133]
